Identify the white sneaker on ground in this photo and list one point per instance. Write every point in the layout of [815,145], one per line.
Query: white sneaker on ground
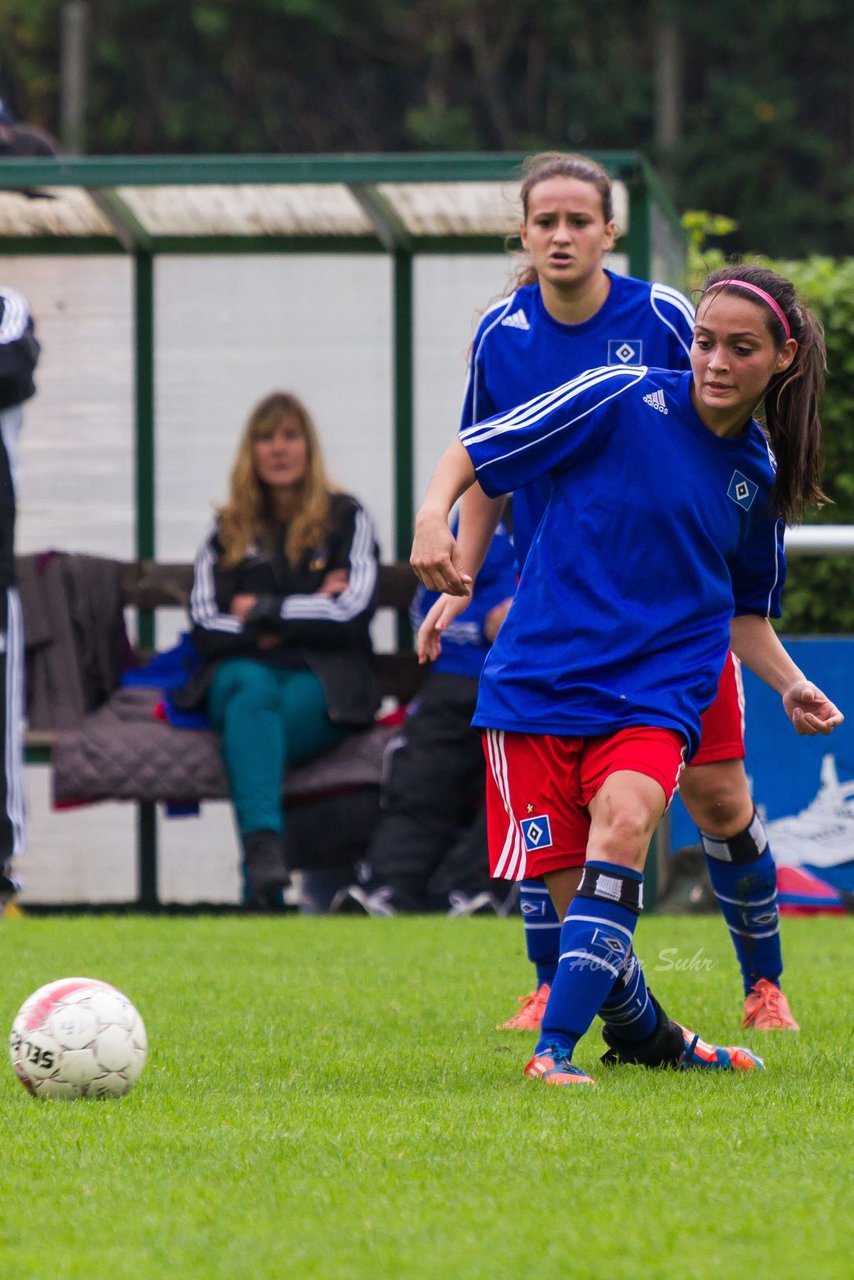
[355,901]
[481,904]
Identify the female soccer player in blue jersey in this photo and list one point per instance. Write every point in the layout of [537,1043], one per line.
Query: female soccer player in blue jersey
[661,544]
[567,314]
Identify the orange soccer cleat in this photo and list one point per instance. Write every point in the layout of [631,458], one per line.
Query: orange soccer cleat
[767,1009]
[530,1015]
[552,1065]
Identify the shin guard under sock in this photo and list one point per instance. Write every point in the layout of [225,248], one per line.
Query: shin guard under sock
[542,929]
[744,879]
[595,941]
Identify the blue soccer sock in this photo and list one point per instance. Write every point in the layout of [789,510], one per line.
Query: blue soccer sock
[595,942]
[744,879]
[628,1010]
[542,929]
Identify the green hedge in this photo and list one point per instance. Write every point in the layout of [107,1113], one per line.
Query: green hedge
[819,597]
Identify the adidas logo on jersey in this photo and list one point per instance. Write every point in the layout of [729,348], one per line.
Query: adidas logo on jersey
[656,399]
[518,320]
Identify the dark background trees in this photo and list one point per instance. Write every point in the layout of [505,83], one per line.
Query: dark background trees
[746,109]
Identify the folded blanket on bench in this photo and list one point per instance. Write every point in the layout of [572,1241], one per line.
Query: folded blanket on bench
[121,752]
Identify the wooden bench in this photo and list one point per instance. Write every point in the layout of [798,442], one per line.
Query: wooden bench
[148,586]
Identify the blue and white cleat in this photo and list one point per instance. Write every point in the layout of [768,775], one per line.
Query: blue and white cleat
[710,1057]
[553,1065]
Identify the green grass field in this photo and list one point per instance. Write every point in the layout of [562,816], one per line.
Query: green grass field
[328,1098]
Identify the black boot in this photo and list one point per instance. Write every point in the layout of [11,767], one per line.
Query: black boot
[664,1048]
[8,886]
[264,864]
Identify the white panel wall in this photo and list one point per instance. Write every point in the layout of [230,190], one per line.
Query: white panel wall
[76,478]
[229,330]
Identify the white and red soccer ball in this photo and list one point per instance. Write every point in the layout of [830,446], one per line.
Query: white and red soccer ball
[78,1038]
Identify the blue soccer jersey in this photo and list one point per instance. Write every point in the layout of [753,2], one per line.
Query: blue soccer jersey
[655,532]
[520,350]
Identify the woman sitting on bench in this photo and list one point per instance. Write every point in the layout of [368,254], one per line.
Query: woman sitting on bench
[283,593]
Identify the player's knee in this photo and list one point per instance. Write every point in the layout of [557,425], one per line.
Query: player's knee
[719,804]
[622,834]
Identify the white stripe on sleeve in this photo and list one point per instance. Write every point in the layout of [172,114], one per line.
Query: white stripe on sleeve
[16,316]
[501,308]
[204,610]
[357,596]
[536,410]
[663,298]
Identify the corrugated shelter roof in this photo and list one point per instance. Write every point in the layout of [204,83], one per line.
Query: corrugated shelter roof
[161,204]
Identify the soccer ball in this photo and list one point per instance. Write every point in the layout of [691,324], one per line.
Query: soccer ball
[78,1038]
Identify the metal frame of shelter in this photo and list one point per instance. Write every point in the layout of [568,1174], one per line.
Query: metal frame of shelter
[398,205]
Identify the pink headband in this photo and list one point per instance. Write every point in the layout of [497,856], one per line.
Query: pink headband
[760,293]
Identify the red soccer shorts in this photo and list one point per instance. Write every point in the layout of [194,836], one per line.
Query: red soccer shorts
[722,724]
[538,787]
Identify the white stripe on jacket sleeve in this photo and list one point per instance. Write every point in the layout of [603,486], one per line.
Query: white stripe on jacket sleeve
[358,594]
[204,610]
[16,316]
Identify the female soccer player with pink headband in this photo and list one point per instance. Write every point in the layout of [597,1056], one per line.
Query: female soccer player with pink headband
[661,545]
[567,313]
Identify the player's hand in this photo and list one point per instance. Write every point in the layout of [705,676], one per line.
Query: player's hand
[428,643]
[809,710]
[435,557]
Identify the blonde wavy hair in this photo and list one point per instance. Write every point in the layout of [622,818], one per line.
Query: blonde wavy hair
[248,515]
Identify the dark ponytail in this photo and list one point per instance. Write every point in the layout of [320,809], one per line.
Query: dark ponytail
[791,400]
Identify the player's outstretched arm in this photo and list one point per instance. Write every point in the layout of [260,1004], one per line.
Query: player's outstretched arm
[479,518]
[435,556]
[755,642]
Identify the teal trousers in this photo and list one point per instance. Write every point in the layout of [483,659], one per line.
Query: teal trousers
[269,719]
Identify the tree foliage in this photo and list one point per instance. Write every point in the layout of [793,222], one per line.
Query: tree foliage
[819,595]
[767,126]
